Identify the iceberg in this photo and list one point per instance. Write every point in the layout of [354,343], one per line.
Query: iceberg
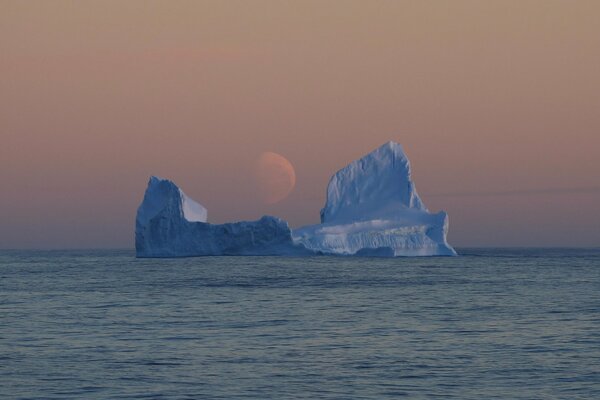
[170,224]
[373,209]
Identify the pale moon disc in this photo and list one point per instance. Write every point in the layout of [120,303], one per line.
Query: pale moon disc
[275,176]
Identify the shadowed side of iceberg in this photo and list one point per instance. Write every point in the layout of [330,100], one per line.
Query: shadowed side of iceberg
[170,224]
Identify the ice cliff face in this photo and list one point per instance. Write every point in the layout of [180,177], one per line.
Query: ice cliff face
[377,184]
[372,208]
[170,224]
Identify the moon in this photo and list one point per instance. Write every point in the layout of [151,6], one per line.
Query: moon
[275,176]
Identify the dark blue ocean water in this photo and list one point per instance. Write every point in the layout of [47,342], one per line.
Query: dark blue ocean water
[503,324]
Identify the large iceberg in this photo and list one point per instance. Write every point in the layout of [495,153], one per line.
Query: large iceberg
[372,208]
[170,224]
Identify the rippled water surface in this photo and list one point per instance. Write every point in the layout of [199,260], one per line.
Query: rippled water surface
[500,324]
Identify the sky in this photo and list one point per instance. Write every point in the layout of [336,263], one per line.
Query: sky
[496,103]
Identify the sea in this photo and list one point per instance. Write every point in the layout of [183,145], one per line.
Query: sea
[488,324]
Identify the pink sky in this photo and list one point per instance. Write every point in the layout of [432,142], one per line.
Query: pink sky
[485,96]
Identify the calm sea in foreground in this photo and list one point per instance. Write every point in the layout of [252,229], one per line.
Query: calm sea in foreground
[505,324]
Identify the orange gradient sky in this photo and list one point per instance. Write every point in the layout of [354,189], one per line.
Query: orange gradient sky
[497,104]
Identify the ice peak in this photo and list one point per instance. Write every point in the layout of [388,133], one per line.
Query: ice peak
[372,186]
[391,145]
[162,193]
[389,150]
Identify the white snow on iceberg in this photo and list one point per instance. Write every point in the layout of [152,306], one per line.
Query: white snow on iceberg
[373,208]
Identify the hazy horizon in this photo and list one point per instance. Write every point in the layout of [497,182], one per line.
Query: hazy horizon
[495,104]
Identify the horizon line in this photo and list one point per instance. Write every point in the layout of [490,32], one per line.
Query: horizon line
[517,192]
